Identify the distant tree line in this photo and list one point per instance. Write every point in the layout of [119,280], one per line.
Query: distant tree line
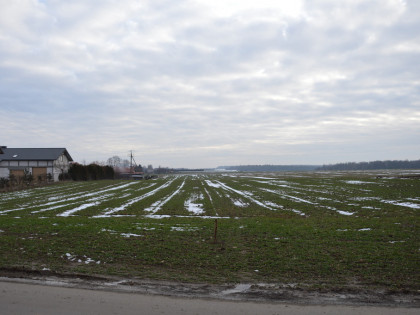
[374,165]
[188,170]
[90,172]
[269,168]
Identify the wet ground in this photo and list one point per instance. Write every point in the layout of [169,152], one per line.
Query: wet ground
[267,293]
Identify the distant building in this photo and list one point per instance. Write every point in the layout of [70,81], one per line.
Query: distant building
[36,161]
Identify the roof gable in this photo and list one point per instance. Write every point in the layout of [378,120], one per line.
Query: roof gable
[33,154]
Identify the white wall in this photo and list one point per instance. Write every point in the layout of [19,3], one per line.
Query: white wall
[4,172]
[60,165]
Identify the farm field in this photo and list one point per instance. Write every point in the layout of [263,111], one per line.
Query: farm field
[320,230]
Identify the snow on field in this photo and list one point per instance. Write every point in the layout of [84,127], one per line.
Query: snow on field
[156,206]
[54,200]
[111,212]
[260,177]
[191,206]
[211,184]
[286,197]
[344,212]
[82,207]
[83,259]
[392,202]
[208,195]
[128,235]
[244,194]
[402,204]
[11,210]
[298,199]
[328,194]
[272,204]
[240,203]
[82,195]
[358,182]
[183,228]
[274,183]
[166,216]
[364,198]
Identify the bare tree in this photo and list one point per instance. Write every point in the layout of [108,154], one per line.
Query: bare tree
[114,161]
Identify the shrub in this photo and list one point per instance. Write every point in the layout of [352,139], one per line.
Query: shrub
[90,172]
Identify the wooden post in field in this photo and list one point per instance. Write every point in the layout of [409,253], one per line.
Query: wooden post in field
[215,230]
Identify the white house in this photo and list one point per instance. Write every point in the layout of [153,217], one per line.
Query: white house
[36,161]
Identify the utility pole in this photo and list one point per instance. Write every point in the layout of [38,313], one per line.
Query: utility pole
[131,163]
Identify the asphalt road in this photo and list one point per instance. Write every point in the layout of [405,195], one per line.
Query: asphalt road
[24,298]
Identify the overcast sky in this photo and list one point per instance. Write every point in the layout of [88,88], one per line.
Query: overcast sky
[199,83]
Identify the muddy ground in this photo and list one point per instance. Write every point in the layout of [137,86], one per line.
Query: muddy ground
[272,293]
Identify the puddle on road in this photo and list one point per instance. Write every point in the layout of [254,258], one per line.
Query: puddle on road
[237,289]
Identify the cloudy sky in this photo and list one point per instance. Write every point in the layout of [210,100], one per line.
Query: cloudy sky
[198,83]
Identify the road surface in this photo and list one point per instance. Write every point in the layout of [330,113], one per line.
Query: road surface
[28,298]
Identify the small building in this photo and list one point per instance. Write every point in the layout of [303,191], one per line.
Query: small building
[36,161]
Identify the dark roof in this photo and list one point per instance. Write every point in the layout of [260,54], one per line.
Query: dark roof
[33,154]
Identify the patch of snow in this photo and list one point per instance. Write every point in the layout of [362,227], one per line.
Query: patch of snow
[86,260]
[82,207]
[298,212]
[211,200]
[345,212]
[402,204]
[365,229]
[244,194]
[166,216]
[239,203]
[287,196]
[127,235]
[156,206]
[54,207]
[183,228]
[364,198]
[272,204]
[106,230]
[238,288]
[111,212]
[369,207]
[193,207]
[211,184]
[358,182]
[12,210]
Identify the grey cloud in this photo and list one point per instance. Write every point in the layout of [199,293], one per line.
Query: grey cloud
[187,88]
